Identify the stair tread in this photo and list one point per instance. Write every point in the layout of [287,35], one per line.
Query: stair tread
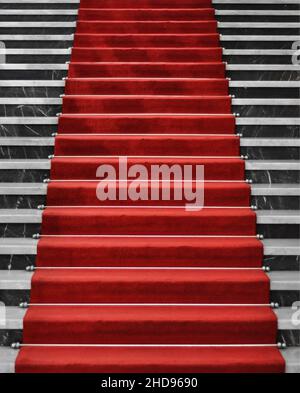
[18,279]
[272,246]
[15,315]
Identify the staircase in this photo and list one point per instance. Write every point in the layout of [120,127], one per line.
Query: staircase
[257,37]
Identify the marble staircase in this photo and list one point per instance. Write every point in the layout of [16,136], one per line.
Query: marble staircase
[257,36]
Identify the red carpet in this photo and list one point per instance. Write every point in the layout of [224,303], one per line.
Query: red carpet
[148,83]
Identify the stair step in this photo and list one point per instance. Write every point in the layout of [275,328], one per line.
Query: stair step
[21,280]
[26,246]
[32,216]
[132,324]
[8,357]
[15,316]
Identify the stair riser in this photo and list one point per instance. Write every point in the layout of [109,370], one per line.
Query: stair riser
[276,263]
[271,177]
[264,92]
[269,231]
[262,131]
[252,44]
[36,30]
[23,176]
[43,44]
[276,202]
[269,131]
[267,153]
[230,59]
[15,297]
[244,111]
[257,59]
[16,262]
[266,111]
[31,91]
[224,31]
[256,6]
[59,74]
[247,92]
[34,59]
[29,110]
[258,31]
[262,202]
[233,44]
[263,75]
[8,337]
[59,17]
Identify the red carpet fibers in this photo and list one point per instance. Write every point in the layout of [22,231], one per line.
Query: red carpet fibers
[74,193]
[163,324]
[149,286]
[192,87]
[159,145]
[146,55]
[150,360]
[154,251]
[148,83]
[135,124]
[74,168]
